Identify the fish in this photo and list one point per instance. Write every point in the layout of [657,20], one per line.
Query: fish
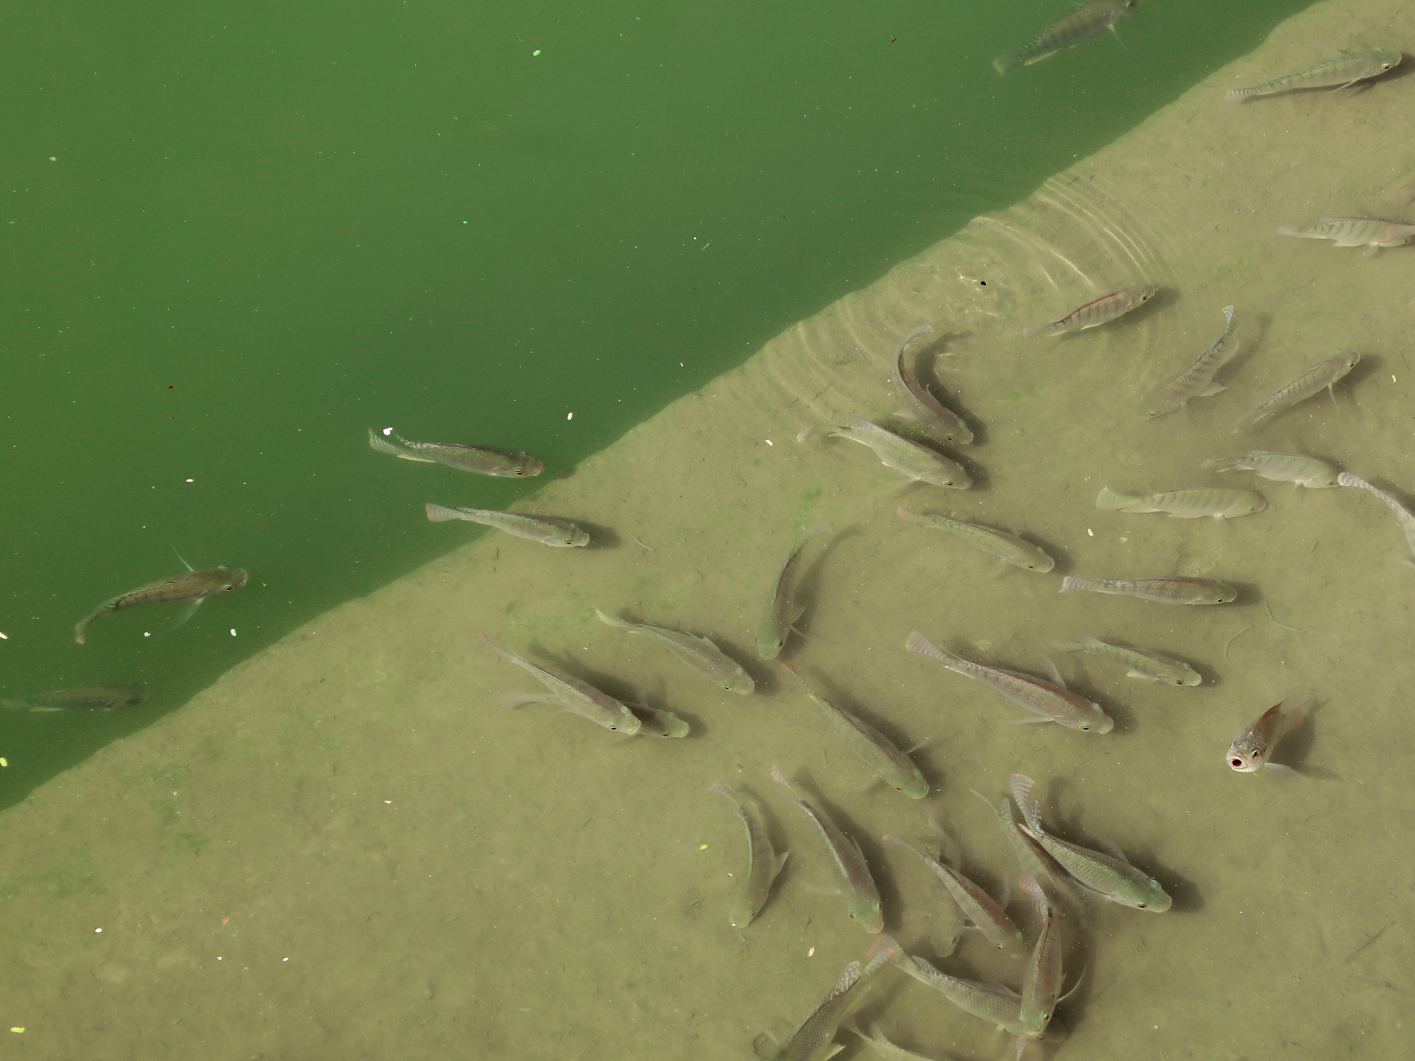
[1355,232]
[1402,514]
[1251,751]
[1156,590]
[1089,20]
[1034,860]
[92,698]
[1014,550]
[847,863]
[579,697]
[1139,662]
[1042,981]
[1097,311]
[1325,373]
[503,463]
[763,864]
[1053,702]
[1195,380]
[190,588]
[657,721]
[905,456]
[870,746]
[1311,472]
[1108,875]
[920,404]
[1346,68]
[781,610]
[544,529]
[1186,504]
[696,652]
[877,1041]
[977,905]
[813,1039]
[994,1003]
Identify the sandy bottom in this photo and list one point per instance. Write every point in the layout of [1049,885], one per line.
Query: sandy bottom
[349,848]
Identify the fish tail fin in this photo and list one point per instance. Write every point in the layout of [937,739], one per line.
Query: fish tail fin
[440,513]
[918,643]
[1033,330]
[1072,584]
[1287,230]
[1021,786]
[1005,64]
[1111,500]
[80,628]
[905,514]
[884,950]
[609,620]
[385,444]
[1032,888]
[1069,646]
[1241,94]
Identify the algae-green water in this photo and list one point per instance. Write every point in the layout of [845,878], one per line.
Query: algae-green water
[237,236]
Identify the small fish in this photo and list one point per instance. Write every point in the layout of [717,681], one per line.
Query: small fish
[1281,467]
[1325,373]
[1097,311]
[847,863]
[1156,590]
[1251,751]
[1186,504]
[500,462]
[1139,662]
[658,722]
[763,864]
[905,456]
[1345,69]
[1402,514]
[697,652]
[1197,379]
[977,905]
[544,529]
[1042,982]
[1087,21]
[781,610]
[1109,875]
[994,1003]
[1034,860]
[919,404]
[813,1039]
[93,698]
[871,746]
[881,1045]
[1053,702]
[190,588]
[1016,551]
[1356,232]
[581,698]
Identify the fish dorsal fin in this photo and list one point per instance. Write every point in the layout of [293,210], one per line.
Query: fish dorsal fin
[1113,849]
[1054,673]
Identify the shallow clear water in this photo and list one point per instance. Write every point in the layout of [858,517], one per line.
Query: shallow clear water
[445,877]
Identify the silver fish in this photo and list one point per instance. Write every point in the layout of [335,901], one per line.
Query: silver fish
[1405,517]
[977,905]
[1281,467]
[871,746]
[1097,311]
[880,1044]
[781,610]
[1014,550]
[92,698]
[1253,748]
[1156,590]
[580,697]
[1042,982]
[1355,231]
[1196,379]
[1085,22]
[1054,703]
[906,456]
[1034,860]
[1340,71]
[1140,662]
[1324,374]
[994,1003]
[813,1039]
[1108,875]
[544,529]
[763,864]
[1186,504]
[480,459]
[847,862]
[190,588]
[696,652]
[920,404]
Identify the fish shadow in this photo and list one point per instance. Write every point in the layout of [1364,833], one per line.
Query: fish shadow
[601,537]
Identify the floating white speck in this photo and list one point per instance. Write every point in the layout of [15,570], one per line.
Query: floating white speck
[98,930]
[146,634]
[233,631]
[388,431]
[569,416]
[768,441]
[191,480]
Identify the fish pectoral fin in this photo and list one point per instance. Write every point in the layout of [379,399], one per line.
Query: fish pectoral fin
[1278,770]
[189,610]
[1039,720]
[514,700]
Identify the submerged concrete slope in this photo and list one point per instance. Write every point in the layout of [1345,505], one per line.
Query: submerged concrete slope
[350,847]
